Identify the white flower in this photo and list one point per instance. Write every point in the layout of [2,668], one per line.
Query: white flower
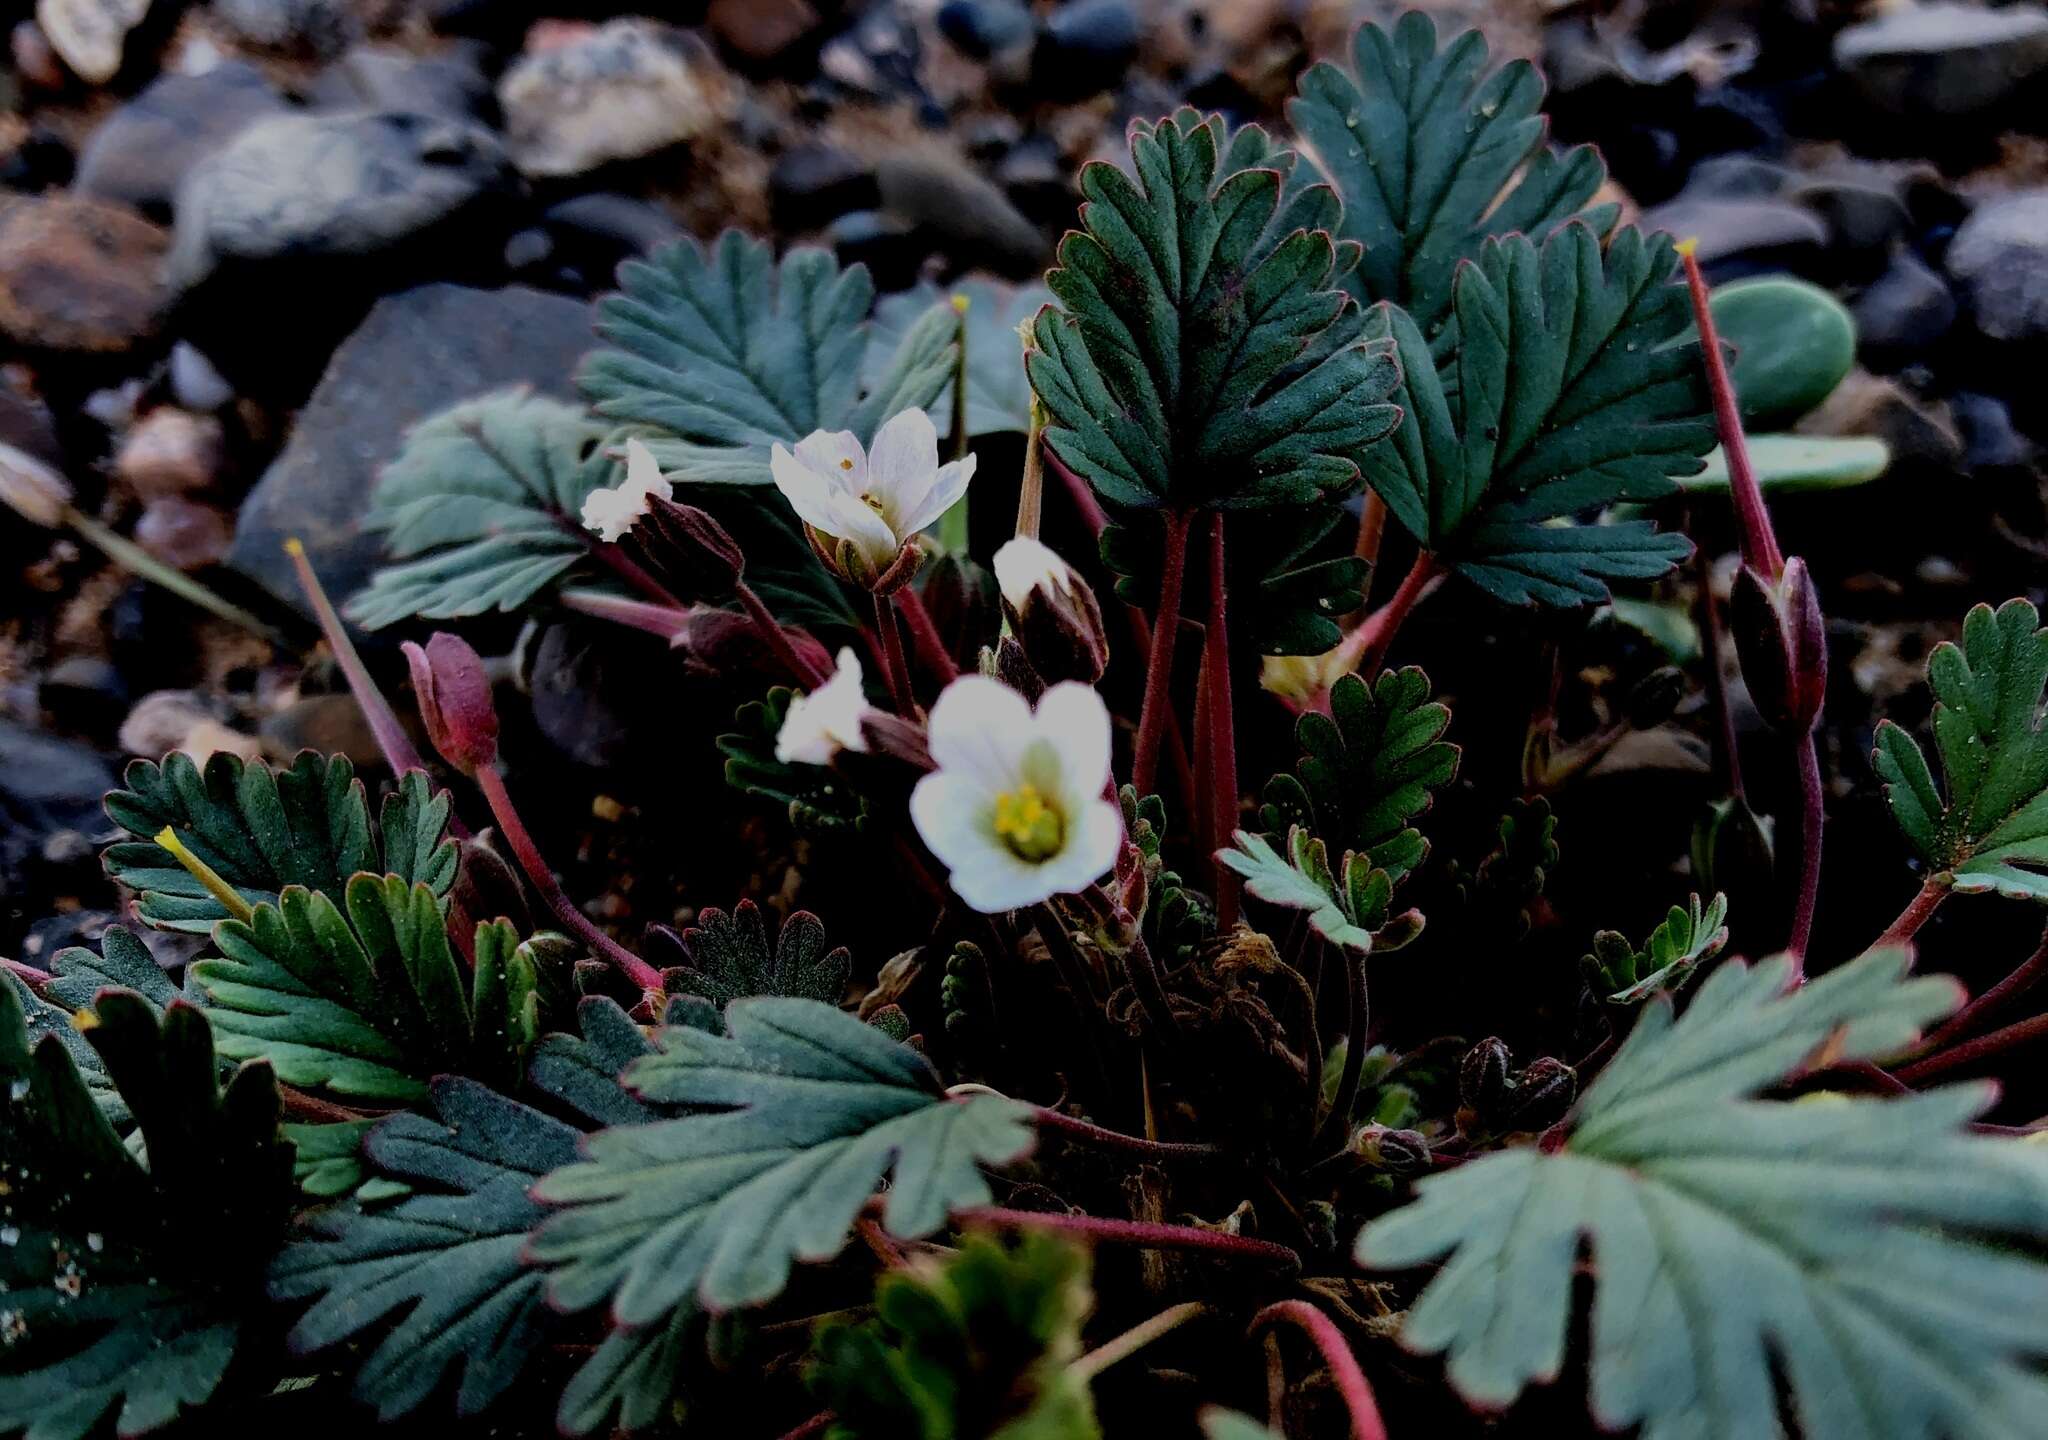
[1025,564]
[1015,808]
[819,725]
[873,500]
[611,513]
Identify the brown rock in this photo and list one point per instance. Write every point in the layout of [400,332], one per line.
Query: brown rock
[78,275]
[626,89]
[184,533]
[761,30]
[167,720]
[170,452]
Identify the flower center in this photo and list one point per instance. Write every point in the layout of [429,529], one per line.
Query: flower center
[1031,828]
[873,501]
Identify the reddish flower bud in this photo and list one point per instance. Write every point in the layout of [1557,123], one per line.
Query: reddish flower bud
[1543,1094]
[1483,1076]
[687,550]
[455,701]
[718,643]
[1781,642]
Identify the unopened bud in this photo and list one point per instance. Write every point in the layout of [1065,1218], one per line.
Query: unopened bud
[1394,1152]
[1543,1094]
[1052,611]
[455,701]
[1483,1076]
[686,548]
[1781,643]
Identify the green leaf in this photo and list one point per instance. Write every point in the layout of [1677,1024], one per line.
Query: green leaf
[814,796]
[713,1209]
[998,395]
[123,962]
[1367,769]
[1688,938]
[482,508]
[1200,353]
[1991,833]
[124,1288]
[581,1072]
[369,1000]
[446,1264]
[43,1020]
[262,830]
[971,1346]
[726,957]
[1347,906]
[719,355]
[1573,391]
[1218,1424]
[1286,575]
[1797,464]
[1793,343]
[1847,1258]
[327,1160]
[1433,155]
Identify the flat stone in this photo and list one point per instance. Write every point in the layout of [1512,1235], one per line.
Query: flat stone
[1945,59]
[1743,237]
[416,353]
[961,211]
[2000,260]
[90,35]
[78,275]
[143,150]
[622,91]
[1903,313]
[383,77]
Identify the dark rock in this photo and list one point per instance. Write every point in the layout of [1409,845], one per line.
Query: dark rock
[323,27]
[812,185]
[878,56]
[78,275]
[60,932]
[333,724]
[416,353]
[1034,175]
[589,691]
[1944,59]
[889,248]
[142,151]
[1744,237]
[762,31]
[1991,441]
[982,28]
[1999,259]
[314,216]
[1922,433]
[1086,46]
[1736,177]
[989,137]
[41,162]
[625,90]
[1903,313]
[383,77]
[1864,209]
[47,786]
[593,233]
[530,251]
[84,695]
[961,212]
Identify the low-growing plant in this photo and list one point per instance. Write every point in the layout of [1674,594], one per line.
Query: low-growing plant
[1107,1133]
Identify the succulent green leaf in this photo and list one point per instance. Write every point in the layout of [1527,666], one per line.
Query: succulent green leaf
[1348,906]
[1797,464]
[327,1159]
[1793,342]
[1218,1424]
[482,508]
[1368,769]
[1570,389]
[1991,833]
[445,1263]
[718,355]
[1865,1264]
[1199,352]
[973,1346]
[262,830]
[1433,154]
[998,395]
[814,796]
[124,1287]
[727,956]
[713,1209]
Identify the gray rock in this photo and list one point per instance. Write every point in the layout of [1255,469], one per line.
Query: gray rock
[195,382]
[593,233]
[141,152]
[1864,209]
[416,353]
[1921,432]
[1992,441]
[1944,58]
[627,89]
[961,212]
[1999,259]
[1743,237]
[46,785]
[1901,314]
[90,35]
[325,27]
[1736,177]
[383,77]
[813,185]
[1087,45]
[981,28]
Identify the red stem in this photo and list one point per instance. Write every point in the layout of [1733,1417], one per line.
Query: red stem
[1759,541]
[1148,1233]
[1222,728]
[1159,664]
[1323,1333]
[1372,528]
[663,620]
[924,634]
[895,667]
[776,638]
[536,867]
[1972,1051]
[818,1424]
[1385,623]
[1812,815]
[1093,1134]
[1996,998]
[1924,903]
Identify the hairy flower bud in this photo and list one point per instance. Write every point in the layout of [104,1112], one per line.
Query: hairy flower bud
[1781,643]
[686,548]
[1052,611]
[1483,1076]
[455,700]
[1394,1152]
[1543,1093]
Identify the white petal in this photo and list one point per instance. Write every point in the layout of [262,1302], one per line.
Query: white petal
[981,727]
[853,520]
[905,453]
[947,486]
[1001,880]
[809,493]
[643,473]
[1073,720]
[836,455]
[1094,834]
[819,725]
[954,816]
[1025,564]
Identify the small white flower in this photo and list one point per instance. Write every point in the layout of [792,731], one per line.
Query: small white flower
[819,725]
[1015,809]
[1025,564]
[611,513]
[874,500]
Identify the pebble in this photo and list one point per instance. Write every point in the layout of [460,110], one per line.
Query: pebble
[961,212]
[164,721]
[170,452]
[1999,259]
[323,27]
[1946,59]
[1086,46]
[812,185]
[622,91]
[141,152]
[196,382]
[85,695]
[1921,433]
[1744,237]
[980,29]
[47,786]
[593,233]
[383,77]
[78,275]
[333,724]
[762,31]
[185,534]
[1903,313]
[90,36]
[1991,441]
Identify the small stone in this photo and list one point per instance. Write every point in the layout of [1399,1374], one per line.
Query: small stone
[47,785]
[383,77]
[1086,46]
[90,35]
[620,92]
[1999,258]
[593,233]
[982,28]
[34,59]
[332,724]
[195,382]
[1864,210]
[185,534]
[1945,59]
[165,721]
[1920,432]
[323,27]
[42,161]
[1744,237]
[961,212]
[143,150]
[1991,441]
[170,452]
[1903,313]
[78,275]
[888,247]
[1736,177]
[762,31]
[529,251]
[32,488]
[85,695]
[812,185]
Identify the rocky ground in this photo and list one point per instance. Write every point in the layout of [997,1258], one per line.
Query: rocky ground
[245,243]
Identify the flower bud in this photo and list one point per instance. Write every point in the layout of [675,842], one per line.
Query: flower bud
[1543,1093]
[1781,643]
[455,701]
[1483,1076]
[686,548]
[1052,611]
[1394,1152]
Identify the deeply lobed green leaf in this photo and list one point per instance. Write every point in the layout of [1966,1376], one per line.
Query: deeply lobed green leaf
[726,956]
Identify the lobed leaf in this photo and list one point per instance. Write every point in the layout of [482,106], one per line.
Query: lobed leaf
[726,957]
[1347,905]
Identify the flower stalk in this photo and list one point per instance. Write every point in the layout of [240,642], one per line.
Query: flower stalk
[1159,663]
[1149,1234]
[1323,1333]
[133,558]
[953,524]
[230,898]
[1220,731]
[895,665]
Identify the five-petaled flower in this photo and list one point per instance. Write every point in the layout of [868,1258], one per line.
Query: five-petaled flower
[819,725]
[611,513]
[1015,809]
[862,508]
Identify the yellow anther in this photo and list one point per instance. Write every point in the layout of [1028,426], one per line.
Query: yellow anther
[1027,824]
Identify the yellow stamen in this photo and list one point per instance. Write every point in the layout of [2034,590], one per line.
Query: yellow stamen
[230,898]
[1032,828]
[846,464]
[871,500]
